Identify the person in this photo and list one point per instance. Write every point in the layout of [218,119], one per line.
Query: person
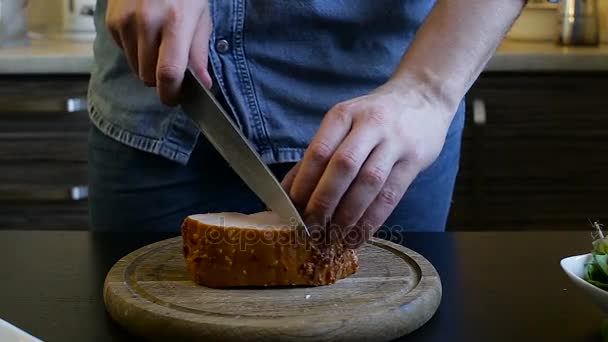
[357,106]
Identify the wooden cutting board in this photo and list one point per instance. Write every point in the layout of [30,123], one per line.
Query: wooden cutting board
[394,292]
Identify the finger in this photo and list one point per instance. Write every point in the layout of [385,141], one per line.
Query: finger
[113,23]
[120,20]
[400,178]
[173,56]
[366,186]
[287,181]
[333,129]
[341,171]
[148,41]
[199,51]
[128,38]
[115,35]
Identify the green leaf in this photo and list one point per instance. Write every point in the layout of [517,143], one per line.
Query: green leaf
[602,262]
[600,246]
[596,276]
[603,286]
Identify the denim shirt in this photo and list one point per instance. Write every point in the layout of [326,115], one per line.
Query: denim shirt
[279,65]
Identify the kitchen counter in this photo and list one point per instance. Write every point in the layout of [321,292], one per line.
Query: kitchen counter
[69,57]
[48,56]
[497,286]
[530,56]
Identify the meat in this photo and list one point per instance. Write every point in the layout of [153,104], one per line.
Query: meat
[236,250]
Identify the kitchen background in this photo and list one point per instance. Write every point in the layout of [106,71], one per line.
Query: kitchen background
[534,149]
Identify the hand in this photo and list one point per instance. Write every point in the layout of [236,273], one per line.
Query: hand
[364,157]
[161,38]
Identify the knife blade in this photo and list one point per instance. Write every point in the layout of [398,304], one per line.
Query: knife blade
[218,127]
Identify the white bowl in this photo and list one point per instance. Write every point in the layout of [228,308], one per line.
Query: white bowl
[574,267]
[10,333]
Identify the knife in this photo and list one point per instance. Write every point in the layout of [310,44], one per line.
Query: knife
[200,104]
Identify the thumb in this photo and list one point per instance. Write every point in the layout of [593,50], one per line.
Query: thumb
[199,49]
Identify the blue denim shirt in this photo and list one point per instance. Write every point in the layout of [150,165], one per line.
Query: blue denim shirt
[280,65]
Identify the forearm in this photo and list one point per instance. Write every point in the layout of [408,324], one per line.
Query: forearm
[453,46]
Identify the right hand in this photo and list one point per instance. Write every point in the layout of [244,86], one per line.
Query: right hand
[161,38]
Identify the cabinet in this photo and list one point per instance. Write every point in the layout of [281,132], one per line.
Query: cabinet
[43,155]
[534,156]
[535,153]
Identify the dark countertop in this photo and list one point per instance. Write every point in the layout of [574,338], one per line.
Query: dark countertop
[497,286]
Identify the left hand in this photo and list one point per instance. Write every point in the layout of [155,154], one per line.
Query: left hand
[367,152]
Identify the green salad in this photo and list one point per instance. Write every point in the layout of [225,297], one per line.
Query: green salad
[596,271]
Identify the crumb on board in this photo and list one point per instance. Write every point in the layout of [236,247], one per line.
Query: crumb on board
[307,296]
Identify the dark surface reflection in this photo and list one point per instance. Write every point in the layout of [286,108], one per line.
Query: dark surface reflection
[439,249]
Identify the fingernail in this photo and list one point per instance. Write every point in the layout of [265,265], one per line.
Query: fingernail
[207,81]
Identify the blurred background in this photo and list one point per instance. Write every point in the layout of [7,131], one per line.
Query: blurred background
[534,151]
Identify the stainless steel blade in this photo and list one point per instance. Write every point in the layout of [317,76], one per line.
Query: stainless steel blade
[200,104]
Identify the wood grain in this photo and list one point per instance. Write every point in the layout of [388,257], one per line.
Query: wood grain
[395,292]
[44,215]
[538,162]
[43,147]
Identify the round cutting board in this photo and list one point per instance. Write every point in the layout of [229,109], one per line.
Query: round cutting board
[394,292]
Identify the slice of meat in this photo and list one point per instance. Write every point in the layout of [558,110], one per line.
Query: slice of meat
[236,250]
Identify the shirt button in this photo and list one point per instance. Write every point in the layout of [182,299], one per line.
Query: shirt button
[222,46]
